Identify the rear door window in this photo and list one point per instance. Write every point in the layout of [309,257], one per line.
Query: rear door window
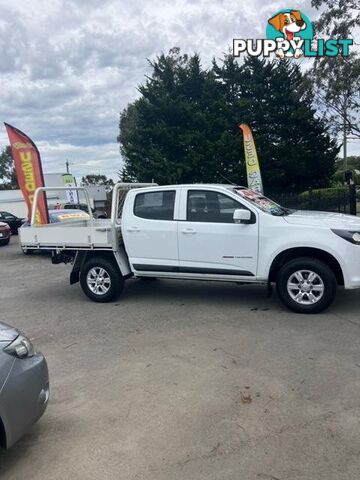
[155,205]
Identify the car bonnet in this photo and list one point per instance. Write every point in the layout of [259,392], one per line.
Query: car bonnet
[324,219]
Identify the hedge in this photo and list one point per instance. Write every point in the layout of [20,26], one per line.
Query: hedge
[325,193]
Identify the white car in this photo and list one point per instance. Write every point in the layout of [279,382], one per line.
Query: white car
[211,232]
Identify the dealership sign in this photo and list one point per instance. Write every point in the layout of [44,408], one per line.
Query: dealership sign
[289,33]
[28,169]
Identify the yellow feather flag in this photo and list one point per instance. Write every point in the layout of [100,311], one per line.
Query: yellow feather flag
[251,160]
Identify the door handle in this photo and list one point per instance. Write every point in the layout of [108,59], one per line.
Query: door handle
[188,231]
[133,229]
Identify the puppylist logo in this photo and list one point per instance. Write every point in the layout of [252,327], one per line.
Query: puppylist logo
[289,34]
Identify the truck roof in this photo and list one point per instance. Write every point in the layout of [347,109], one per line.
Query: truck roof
[200,185]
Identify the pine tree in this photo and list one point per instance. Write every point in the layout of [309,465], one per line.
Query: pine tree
[170,133]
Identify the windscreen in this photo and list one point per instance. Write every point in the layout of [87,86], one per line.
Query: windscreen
[262,202]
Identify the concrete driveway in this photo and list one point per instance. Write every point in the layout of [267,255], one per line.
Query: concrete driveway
[184,380]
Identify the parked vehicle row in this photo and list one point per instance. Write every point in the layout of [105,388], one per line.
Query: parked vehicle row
[9,225]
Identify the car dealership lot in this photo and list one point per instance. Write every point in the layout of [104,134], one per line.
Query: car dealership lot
[184,380]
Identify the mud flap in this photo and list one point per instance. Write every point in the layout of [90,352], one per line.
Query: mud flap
[78,262]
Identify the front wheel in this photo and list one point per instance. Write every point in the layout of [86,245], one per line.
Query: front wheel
[101,280]
[4,242]
[306,285]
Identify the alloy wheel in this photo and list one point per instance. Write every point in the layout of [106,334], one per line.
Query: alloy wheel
[305,287]
[98,280]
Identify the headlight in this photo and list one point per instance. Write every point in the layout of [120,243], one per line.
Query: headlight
[21,347]
[356,237]
[352,237]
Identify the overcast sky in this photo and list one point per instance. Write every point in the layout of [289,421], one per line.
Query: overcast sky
[68,67]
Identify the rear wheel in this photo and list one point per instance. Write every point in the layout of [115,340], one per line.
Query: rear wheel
[306,285]
[101,280]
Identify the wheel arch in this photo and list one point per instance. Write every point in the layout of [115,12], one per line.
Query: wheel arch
[82,256]
[296,252]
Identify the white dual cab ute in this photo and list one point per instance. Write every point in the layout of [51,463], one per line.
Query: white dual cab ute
[206,232]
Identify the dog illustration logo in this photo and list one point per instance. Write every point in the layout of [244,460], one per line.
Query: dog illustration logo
[291,26]
[289,34]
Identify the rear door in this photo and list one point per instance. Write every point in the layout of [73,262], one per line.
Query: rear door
[209,240]
[150,230]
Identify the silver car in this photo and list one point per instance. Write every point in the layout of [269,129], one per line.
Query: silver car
[24,385]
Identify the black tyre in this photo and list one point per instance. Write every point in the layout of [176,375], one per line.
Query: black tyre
[306,285]
[101,280]
[4,242]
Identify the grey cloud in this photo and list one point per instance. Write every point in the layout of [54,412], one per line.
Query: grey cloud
[13,42]
[68,67]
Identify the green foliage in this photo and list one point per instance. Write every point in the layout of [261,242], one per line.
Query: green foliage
[7,171]
[327,199]
[325,193]
[183,128]
[336,80]
[94,179]
[353,164]
[336,199]
[338,17]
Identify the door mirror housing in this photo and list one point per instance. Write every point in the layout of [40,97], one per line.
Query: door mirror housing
[241,215]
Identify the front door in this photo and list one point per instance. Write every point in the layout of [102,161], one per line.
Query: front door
[209,240]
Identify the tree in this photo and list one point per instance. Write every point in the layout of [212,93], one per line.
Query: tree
[338,17]
[183,128]
[94,179]
[7,171]
[336,80]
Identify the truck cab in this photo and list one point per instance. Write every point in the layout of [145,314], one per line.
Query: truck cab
[190,230]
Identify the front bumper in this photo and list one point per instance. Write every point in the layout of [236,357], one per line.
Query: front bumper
[351,264]
[24,396]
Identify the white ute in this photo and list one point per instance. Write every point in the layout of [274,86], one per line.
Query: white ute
[206,232]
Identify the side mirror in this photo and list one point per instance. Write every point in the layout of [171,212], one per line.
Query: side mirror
[241,215]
